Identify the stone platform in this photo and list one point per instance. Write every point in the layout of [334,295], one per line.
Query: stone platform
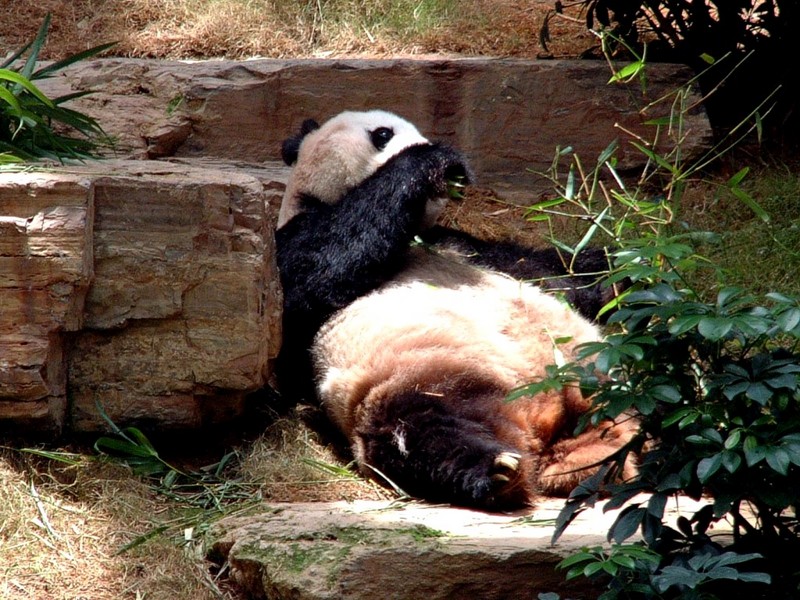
[408,551]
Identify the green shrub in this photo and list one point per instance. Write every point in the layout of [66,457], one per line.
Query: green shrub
[33,126]
[713,373]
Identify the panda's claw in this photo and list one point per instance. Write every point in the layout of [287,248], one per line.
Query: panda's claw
[500,478]
[507,461]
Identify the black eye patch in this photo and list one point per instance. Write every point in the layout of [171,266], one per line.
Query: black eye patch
[381,136]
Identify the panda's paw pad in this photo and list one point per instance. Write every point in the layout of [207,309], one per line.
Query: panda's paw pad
[505,467]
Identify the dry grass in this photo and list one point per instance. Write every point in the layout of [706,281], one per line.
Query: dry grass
[62,526]
[287,28]
[286,461]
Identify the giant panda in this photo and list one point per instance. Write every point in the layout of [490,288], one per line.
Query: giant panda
[413,335]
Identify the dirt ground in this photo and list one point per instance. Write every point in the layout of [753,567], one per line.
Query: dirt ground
[241,29]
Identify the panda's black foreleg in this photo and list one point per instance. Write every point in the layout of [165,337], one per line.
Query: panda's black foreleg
[425,447]
[330,255]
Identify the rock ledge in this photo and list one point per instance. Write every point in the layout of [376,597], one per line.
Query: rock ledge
[393,551]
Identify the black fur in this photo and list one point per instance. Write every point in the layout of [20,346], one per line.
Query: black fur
[440,451]
[331,255]
[583,288]
[291,146]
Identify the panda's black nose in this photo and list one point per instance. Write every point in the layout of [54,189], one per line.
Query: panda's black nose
[380,137]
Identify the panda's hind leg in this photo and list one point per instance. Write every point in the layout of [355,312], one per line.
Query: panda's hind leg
[437,450]
[573,459]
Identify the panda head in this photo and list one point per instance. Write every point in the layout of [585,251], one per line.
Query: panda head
[331,159]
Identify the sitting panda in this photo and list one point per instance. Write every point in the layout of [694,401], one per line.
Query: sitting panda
[412,348]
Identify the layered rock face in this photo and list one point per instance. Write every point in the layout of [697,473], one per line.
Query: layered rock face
[46,268]
[148,287]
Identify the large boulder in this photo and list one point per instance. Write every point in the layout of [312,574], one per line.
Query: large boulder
[46,267]
[147,288]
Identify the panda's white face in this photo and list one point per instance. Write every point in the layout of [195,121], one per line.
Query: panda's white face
[344,152]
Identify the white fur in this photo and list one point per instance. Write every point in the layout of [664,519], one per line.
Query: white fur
[440,317]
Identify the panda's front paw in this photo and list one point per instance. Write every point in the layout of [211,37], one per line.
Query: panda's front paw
[497,482]
[438,164]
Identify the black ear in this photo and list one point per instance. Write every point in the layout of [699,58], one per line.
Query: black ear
[291,146]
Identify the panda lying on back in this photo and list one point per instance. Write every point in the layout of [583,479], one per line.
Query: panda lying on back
[413,349]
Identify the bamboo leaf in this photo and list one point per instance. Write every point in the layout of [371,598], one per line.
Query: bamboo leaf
[24,82]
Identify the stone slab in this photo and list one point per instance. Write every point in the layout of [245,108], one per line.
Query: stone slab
[394,551]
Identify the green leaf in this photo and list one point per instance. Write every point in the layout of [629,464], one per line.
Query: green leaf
[759,393]
[569,188]
[753,452]
[139,438]
[731,461]
[627,524]
[655,157]
[714,328]
[793,450]
[750,202]
[145,537]
[107,445]
[712,435]
[627,72]
[628,562]
[778,460]
[592,569]
[789,319]
[707,467]
[590,232]
[607,153]
[36,47]
[680,325]
[656,505]
[70,60]
[737,178]
[676,416]
[25,83]
[610,567]
[10,99]
[577,558]
[733,439]
[677,576]
[667,393]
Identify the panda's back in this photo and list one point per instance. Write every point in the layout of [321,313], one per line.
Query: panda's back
[441,319]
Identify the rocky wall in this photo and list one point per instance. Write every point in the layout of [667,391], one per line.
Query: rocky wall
[508,115]
[147,288]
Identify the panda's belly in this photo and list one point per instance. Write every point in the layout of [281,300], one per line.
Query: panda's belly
[440,319]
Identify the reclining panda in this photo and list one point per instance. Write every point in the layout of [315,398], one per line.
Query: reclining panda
[413,348]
